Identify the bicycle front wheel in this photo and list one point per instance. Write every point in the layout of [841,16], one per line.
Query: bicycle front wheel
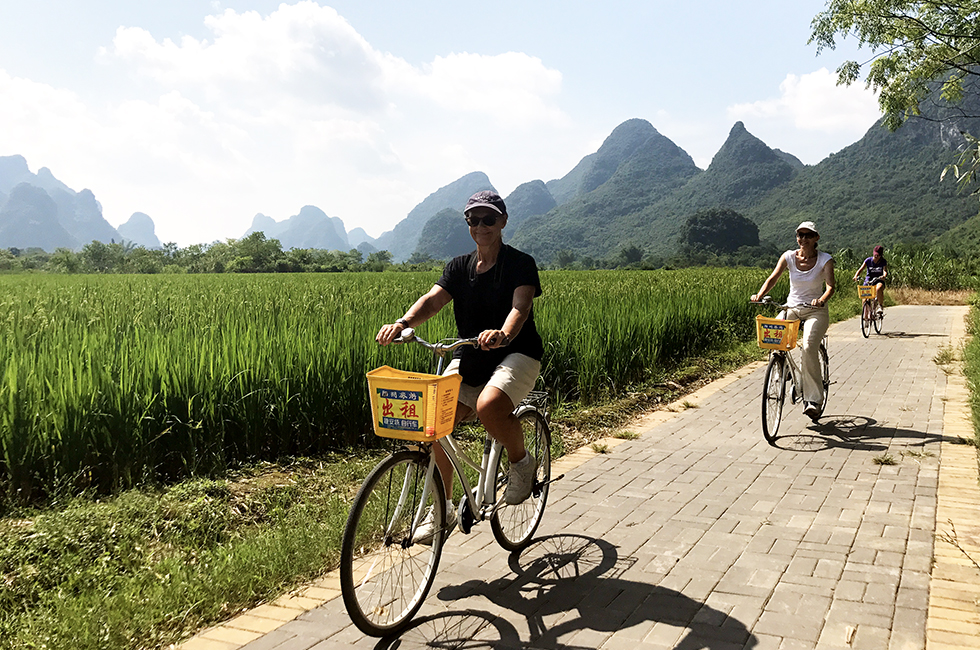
[384,574]
[773,396]
[824,378]
[513,526]
[866,317]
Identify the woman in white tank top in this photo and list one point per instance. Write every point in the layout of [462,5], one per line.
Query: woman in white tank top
[811,284]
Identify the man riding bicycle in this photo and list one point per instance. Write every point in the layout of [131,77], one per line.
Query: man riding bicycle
[492,290]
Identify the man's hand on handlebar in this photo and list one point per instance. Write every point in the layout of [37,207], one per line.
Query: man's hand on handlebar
[490,339]
[389,333]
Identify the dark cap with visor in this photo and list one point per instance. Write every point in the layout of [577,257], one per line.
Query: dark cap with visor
[486,199]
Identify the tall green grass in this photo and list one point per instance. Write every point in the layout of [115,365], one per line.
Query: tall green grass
[110,381]
[107,381]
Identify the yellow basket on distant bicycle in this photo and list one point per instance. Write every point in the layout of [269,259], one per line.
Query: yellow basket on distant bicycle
[412,405]
[866,292]
[776,333]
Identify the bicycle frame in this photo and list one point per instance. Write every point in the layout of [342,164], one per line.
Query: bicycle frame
[477,498]
[795,371]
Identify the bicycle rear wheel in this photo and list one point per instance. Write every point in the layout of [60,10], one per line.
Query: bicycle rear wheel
[384,575]
[866,317]
[513,526]
[773,396]
[877,318]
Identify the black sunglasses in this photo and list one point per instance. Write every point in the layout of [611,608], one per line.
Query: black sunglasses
[488,220]
[806,235]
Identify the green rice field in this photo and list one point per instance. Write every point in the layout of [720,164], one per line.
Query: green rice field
[111,381]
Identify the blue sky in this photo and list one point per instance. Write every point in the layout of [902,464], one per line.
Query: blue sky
[204,113]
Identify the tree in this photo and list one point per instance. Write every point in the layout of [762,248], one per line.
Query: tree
[629,255]
[921,47]
[378,261]
[64,260]
[104,258]
[255,254]
[718,231]
[564,259]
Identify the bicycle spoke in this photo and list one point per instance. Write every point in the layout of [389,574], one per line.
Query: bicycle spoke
[514,525]
[385,575]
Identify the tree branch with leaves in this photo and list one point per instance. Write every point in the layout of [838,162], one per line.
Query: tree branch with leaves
[918,48]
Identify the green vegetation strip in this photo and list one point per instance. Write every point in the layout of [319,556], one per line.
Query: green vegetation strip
[971,365]
[148,566]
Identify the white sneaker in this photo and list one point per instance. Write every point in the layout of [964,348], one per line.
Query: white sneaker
[811,410]
[881,312]
[520,480]
[427,527]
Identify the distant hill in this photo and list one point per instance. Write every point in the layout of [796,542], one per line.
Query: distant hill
[528,200]
[358,236]
[140,230]
[311,228]
[445,235]
[401,241]
[882,189]
[30,222]
[598,221]
[637,190]
[29,219]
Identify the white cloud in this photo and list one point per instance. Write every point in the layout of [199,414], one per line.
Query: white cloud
[512,88]
[815,102]
[275,112]
[810,112]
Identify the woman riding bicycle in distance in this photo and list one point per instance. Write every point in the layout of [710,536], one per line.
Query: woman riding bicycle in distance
[877,271]
[811,284]
[492,290]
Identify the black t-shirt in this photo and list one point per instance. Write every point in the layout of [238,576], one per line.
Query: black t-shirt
[483,301]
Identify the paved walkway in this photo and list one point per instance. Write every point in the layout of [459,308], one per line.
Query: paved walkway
[699,534]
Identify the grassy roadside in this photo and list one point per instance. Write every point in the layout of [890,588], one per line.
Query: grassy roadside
[148,567]
[971,364]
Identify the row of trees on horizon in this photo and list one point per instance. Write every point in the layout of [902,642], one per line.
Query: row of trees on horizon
[916,264]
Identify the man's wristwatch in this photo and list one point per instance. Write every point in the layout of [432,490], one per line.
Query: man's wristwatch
[402,322]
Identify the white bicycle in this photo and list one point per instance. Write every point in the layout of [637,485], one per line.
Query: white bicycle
[385,574]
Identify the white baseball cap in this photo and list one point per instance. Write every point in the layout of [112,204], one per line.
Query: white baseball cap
[807,225]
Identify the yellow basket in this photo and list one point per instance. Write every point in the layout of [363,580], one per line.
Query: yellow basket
[866,292]
[776,333]
[412,405]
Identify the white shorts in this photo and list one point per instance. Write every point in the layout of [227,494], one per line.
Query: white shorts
[515,376]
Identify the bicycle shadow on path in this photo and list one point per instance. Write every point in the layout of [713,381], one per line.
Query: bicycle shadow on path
[853,432]
[569,585]
[908,335]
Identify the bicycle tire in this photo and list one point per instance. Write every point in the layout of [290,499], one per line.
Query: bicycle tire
[877,319]
[824,379]
[773,396]
[513,526]
[384,575]
[866,318]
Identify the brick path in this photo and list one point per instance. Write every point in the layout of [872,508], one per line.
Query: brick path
[699,534]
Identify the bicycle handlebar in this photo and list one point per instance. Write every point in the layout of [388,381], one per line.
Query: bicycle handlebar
[442,347]
[768,301]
